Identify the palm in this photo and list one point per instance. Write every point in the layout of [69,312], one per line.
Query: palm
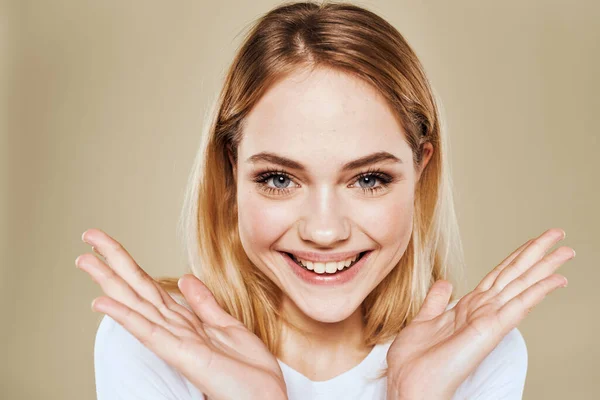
[213,350]
[231,352]
[440,347]
[237,353]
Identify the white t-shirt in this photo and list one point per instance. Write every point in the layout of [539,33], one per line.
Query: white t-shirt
[126,369]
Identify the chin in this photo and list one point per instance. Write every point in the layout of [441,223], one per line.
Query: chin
[328,310]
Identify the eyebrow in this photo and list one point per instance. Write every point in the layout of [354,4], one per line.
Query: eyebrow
[374,158]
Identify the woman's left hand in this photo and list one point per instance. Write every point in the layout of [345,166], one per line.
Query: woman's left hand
[439,348]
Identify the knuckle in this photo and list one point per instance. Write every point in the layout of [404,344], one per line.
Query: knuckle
[138,299]
[115,247]
[139,273]
[159,302]
[503,273]
[202,296]
[154,330]
[181,321]
[524,308]
[150,338]
[481,287]
[519,300]
[522,281]
[520,303]
[183,331]
[162,306]
[494,303]
[110,275]
[494,289]
[537,243]
[528,310]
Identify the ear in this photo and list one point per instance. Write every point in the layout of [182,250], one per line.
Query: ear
[233,163]
[427,153]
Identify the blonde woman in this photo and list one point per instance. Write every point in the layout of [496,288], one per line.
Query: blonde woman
[321,237]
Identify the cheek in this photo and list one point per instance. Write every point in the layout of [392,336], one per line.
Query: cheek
[261,222]
[389,222]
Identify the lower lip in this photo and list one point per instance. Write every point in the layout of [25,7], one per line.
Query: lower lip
[337,278]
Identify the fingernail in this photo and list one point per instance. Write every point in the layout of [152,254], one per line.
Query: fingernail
[565,284]
[84,239]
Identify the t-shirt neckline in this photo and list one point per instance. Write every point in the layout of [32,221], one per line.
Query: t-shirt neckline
[366,363]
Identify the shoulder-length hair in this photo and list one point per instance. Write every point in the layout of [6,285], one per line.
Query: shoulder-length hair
[348,38]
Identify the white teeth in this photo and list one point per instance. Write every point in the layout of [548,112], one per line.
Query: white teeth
[331,267]
[328,267]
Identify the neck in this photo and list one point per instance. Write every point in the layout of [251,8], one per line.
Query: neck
[321,350]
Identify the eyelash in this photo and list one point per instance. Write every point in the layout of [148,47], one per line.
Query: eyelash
[262,178]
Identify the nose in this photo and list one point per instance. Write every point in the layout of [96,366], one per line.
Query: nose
[324,222]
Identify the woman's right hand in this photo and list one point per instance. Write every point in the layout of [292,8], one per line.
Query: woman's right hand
[212,349]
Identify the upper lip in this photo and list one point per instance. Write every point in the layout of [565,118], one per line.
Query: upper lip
[324,257]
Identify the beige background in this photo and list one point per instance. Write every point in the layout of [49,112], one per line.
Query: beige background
[102,102]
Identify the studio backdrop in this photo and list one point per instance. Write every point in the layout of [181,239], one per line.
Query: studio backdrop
[102,107]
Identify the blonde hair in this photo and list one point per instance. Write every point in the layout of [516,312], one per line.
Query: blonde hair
[354,40]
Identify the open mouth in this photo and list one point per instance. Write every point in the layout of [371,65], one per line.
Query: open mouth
[328,268]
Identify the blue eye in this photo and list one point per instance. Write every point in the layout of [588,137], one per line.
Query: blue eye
[371,177]
[369,180]
[281,180]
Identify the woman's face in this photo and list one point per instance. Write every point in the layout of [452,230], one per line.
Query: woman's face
[306,186]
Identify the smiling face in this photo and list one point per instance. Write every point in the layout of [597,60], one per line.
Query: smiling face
[306,195]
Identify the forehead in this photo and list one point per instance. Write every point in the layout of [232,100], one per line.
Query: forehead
[321,114]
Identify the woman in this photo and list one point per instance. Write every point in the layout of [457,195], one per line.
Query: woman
[321,238]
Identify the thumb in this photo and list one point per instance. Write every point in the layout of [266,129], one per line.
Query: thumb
[203,303]
[436,301]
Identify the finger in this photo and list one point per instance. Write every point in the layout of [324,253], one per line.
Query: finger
[121,262]
[436,301]
[511,314]
[202,301]
[528,257]
[114,286]
[157,338]
[193,358]
[97,253]
[178,308]
[542,269]
[489,279]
